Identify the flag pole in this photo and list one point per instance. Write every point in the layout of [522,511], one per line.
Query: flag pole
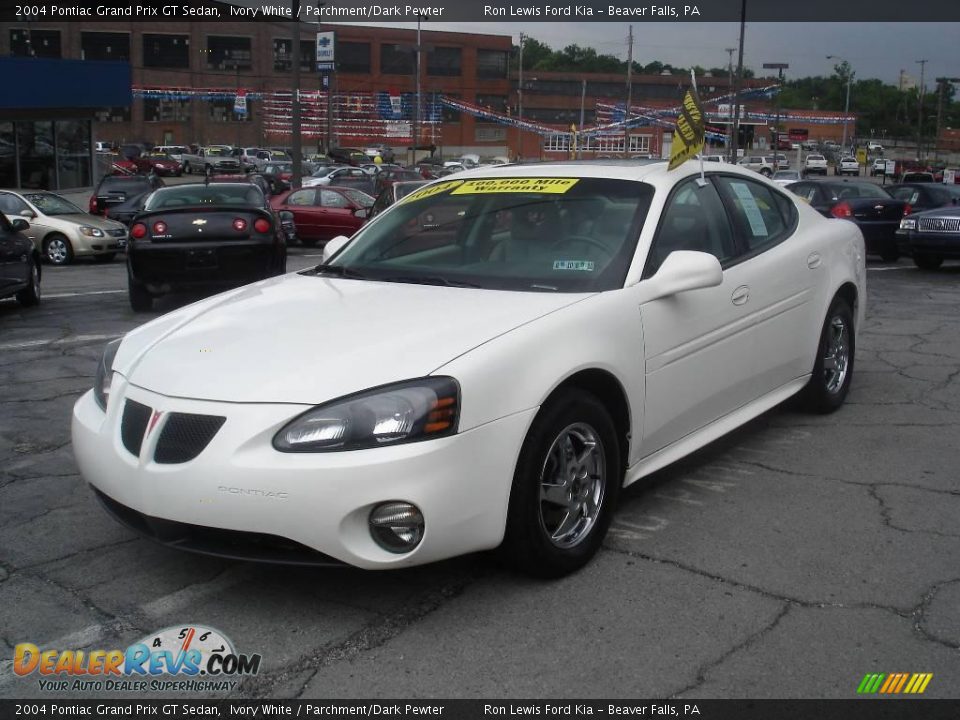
[702,182]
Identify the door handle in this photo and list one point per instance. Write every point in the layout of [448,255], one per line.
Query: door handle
[740,295]
[814,260]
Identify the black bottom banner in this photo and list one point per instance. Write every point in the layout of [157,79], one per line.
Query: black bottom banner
[865,709]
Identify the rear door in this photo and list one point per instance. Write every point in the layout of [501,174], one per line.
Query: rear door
[336,214]
[306,216]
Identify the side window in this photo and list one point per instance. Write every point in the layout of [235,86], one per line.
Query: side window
[301,197]
[331,199]
[760,214]
[906,194]
[11,204]
[807,191]
[694,219]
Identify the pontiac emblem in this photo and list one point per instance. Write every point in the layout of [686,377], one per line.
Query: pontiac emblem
[199,221]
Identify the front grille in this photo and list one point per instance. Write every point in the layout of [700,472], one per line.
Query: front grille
[184,436]
[117,232]
[939,224]
[133,425]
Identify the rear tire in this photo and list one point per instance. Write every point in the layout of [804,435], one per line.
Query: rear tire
[890,254]
[308,242]
[927,262]
[565,487]
[833,369]
[141,299]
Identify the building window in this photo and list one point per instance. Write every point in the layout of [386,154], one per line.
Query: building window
[607,143]
[226,52]
[105,46]
[8,161]
[73,153]
[353,57]
[283,55]
[113,114]
[491,63]
[396,59]
[490,133]
[166,51]
[444,62]
[157,110]
[222,111]
[559,142]
[496,103]
[640,143]
[35,43]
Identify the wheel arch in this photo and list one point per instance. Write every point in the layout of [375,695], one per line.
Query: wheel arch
[848,291]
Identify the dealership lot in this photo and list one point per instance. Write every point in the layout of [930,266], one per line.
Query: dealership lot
[788,559]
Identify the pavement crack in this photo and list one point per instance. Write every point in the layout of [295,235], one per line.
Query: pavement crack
[373,635]
[920,613]
[751,639]
[75,554]
[887,519]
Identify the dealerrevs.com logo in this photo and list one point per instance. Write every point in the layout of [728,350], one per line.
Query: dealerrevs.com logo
[178,658]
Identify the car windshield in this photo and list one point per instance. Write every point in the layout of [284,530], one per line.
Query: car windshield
[279,168]
[815,157]
[860,189]
[215,195]
[218,152]
[358,197]
[277,155]
[50,204]
[532,234]
[326,170]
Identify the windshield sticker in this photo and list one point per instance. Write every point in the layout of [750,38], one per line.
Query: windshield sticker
[757,226]
[585,265]
[516,185]
[431,191]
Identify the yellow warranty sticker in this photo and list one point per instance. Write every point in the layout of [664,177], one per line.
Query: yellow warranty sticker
[431,190]
[516,185]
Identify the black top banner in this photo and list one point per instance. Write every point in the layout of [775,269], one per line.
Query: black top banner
[562,709]
[365,11]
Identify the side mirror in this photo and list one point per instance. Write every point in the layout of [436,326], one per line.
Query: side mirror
[685,270]
[28,213]
[361,212]
[333,246]
[20,225]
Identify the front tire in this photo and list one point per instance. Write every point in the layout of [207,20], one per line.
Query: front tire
[58,250]
[833,369]
[30,295]
[565,487]
[927,262]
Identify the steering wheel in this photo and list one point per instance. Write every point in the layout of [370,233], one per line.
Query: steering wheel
[592,242]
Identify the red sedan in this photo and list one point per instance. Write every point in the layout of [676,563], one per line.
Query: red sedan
[322,213]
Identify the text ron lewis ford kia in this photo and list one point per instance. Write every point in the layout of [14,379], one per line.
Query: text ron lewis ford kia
[485,364]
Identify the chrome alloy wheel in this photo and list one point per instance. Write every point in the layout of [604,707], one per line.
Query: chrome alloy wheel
[57,252]
[836,358]
[572,484]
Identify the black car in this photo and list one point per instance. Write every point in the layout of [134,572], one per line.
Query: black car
[875,212]
[119,197]
[392,194]
[925,196]
[19,263]
[931,236]
[203,236]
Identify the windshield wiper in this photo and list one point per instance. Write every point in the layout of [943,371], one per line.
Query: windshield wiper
[429,280]
[336,271]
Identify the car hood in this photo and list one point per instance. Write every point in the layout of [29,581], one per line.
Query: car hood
[95,221]
[951,211]
[307,339]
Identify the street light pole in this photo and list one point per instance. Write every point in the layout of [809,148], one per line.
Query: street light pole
[730,52]
[520,102]
[846,109]
[736,87]
[923,65]
[416,115]
[296,142]
[779,67]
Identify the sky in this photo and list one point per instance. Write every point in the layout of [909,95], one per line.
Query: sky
[875,50]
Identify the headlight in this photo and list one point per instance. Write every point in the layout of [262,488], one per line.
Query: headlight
[101,386]
[91,231]
[908,224]
[404,412]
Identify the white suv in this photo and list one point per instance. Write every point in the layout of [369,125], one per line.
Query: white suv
[758,163]
[815,165]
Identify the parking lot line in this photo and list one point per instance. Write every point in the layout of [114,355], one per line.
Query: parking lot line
[80,294]
[75,340]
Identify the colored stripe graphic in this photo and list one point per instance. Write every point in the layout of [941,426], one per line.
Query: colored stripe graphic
[894,683]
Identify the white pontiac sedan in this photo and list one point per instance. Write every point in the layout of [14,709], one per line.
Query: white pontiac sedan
[490,361]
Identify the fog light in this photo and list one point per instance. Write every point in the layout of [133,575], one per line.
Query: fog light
[397,527]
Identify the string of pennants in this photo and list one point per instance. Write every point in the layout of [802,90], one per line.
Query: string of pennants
[389,115]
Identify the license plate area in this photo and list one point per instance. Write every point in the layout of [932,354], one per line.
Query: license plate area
[201,259]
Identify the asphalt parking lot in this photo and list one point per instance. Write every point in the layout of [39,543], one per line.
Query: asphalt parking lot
[785,560]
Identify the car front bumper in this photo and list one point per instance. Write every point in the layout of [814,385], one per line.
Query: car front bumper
[946,245]
[322,501]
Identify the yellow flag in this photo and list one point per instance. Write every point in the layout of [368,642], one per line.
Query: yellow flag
[688,137]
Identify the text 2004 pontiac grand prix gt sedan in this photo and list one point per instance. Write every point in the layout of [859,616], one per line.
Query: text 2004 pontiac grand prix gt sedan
[485,364]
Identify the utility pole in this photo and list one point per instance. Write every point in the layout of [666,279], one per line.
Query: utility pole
[846,108]
[416,113]
[779,67]
[730,52]
[583,100]
[923,66]
[297,143]
[520,101]
[736,87]
[626,114]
